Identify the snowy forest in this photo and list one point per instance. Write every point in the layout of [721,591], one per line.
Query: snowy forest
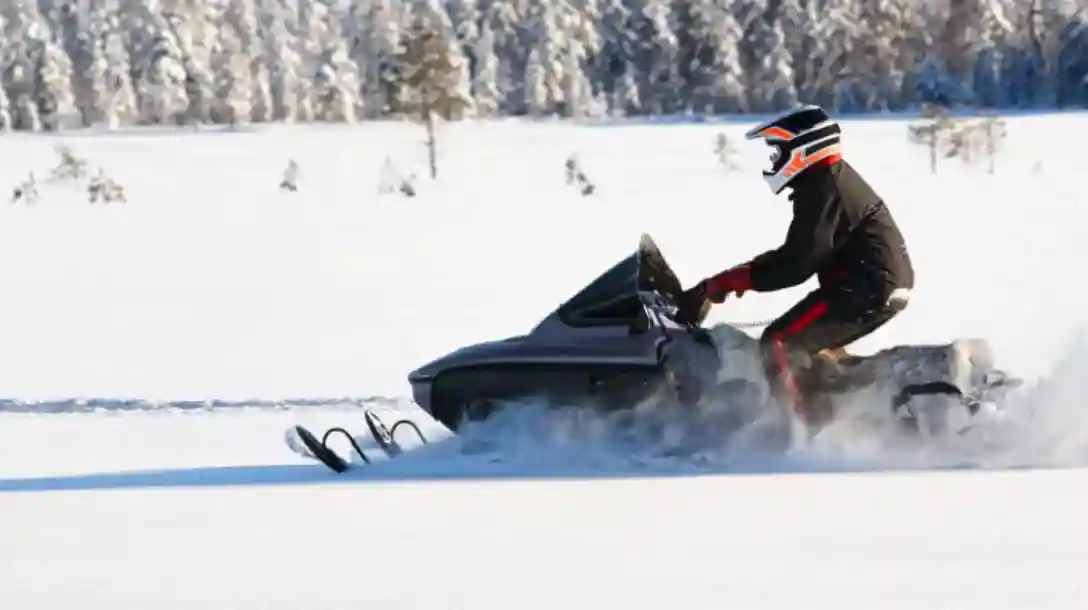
[76,63]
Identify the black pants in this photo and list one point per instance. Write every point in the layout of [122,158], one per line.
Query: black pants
[825,319]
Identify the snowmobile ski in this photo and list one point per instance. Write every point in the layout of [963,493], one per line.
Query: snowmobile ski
[306,444]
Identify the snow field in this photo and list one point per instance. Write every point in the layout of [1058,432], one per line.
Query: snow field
[212,284]
[952,540]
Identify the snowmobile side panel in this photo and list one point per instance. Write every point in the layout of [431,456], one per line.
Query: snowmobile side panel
[612,349]
[616,347]
[474,393]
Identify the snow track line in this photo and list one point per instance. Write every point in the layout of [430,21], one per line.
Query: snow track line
[94,405]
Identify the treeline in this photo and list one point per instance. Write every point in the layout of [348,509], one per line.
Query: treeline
[69,64]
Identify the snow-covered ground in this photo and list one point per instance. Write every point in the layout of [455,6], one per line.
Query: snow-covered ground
[213,311]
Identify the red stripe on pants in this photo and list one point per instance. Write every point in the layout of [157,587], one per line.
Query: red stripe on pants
[785,374]
[804,320]
[781,358]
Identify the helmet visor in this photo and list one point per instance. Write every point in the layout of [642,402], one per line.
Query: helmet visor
[777,157]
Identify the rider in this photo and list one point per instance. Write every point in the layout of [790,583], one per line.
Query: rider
[843,233]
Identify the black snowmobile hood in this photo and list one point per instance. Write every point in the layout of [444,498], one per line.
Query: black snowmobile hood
[609,305]
[615,293]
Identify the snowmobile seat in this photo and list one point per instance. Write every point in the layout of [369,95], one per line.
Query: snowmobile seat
[839,370]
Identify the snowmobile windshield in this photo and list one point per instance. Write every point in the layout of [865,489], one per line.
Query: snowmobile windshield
[614,296]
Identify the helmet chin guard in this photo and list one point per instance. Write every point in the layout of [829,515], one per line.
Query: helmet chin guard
[799,139]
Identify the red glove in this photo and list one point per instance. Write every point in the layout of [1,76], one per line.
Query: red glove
[737,280]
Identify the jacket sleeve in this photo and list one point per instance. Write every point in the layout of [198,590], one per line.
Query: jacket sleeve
[809,242]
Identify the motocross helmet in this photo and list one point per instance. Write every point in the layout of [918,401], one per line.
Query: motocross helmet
[800,138]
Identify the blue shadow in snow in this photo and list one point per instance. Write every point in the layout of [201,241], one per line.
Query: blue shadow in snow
[297,474]
[385,471]
[184,477]
[392,472]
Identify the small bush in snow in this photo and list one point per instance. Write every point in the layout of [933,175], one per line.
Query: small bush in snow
[70,167]
[993,132]
[392,181]
[957,137]
[26,191]
[105,189]
[725,152]
[577,178]
[290,177]
[968,140]
[935,133]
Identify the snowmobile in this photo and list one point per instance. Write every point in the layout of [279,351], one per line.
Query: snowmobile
[634,335]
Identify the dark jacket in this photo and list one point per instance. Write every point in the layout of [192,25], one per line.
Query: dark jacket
[842,232]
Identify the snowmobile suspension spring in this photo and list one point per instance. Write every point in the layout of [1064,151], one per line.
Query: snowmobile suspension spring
[393,430]
[351,439]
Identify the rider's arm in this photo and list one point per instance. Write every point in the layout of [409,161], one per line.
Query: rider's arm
[809,242]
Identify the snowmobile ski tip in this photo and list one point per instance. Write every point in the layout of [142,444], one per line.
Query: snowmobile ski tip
[319,451]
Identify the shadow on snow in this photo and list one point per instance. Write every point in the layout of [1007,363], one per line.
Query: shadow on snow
[386,472]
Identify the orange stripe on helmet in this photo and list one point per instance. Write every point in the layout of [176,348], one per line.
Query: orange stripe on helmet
[799,161]
[776,133]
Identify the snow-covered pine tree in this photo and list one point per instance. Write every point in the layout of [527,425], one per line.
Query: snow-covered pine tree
[1071,65]
[865,40]
[715,77]
[661,89]
[485,85]
[799,20]
[334,86]
[376,41]
[614,68]
[25,34]
[117,99]
[513,45]
[544,69]
[433,70]
[535,56]
[695,59]
[887,53]
[537,94]
[577,20]
[56,102]
[163,99]
[465,19]
[233,79]
[771,81]
[999,35]
[5,110]
[73,33]
[88,27]
[936,87]
[281,59]
[158,73]
[194,27]
[466,16]
[241,17]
